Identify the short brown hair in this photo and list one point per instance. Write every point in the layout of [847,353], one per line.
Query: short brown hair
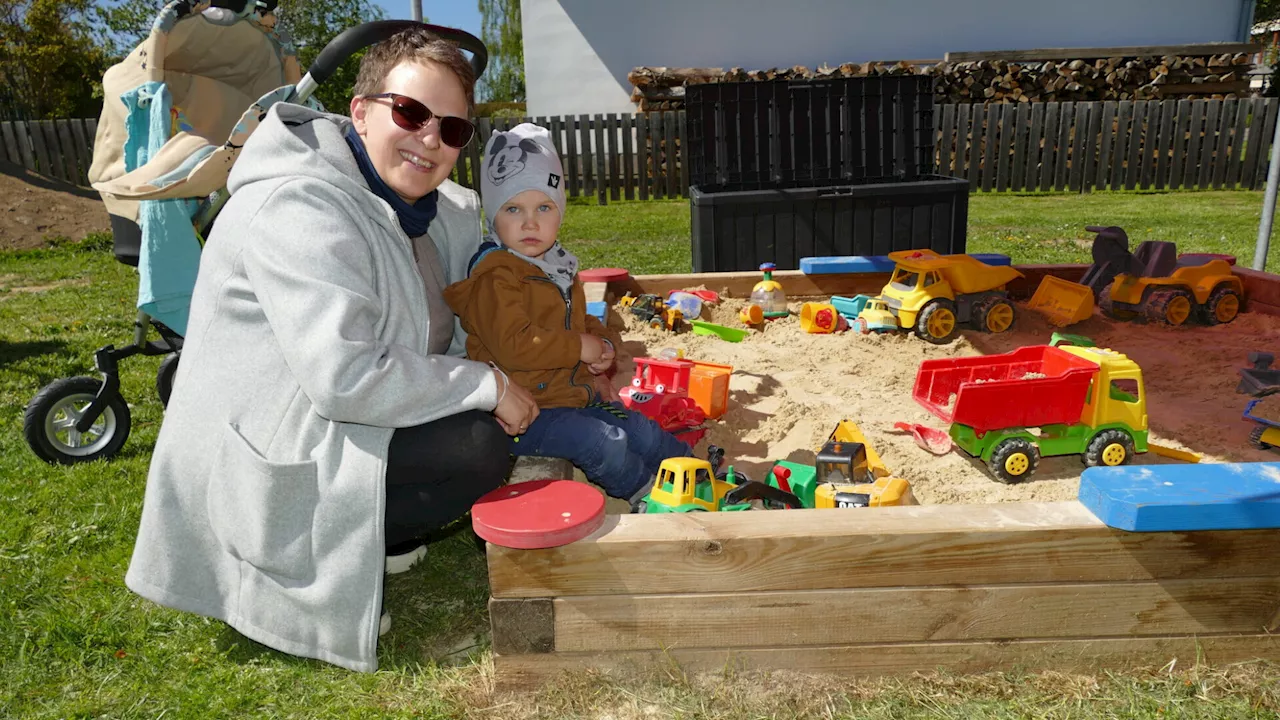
[416,44]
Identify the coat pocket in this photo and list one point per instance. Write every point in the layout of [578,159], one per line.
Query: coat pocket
[261,511]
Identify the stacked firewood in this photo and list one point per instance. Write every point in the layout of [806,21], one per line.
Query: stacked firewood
[1137,78]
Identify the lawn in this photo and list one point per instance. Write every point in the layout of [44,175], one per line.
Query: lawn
[76,643]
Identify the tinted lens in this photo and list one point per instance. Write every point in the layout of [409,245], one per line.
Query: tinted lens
[409,113]
[456,132]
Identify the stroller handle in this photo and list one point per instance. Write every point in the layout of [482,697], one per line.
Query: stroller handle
[352,40]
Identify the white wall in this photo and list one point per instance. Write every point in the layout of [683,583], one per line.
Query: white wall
[578,52]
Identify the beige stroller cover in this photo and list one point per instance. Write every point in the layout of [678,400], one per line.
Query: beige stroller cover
[222,68]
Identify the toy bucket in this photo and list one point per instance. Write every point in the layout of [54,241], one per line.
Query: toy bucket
[709,387]
[1062,301]
[819,318]
[751,315]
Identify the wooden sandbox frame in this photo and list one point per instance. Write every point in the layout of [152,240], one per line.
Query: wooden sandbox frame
[966,588]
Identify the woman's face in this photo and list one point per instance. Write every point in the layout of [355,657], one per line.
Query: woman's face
[411,163]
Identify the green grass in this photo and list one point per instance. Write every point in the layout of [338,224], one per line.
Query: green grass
[74,642]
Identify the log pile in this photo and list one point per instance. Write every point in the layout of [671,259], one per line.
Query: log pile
[1116,78]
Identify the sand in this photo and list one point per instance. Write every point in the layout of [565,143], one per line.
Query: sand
[790,388]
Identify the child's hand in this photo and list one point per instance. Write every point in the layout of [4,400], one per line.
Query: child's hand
[593,349]
[606,360]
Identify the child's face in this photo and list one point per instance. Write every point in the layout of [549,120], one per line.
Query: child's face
[528,223]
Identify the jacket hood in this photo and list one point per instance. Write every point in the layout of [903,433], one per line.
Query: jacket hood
[294,141]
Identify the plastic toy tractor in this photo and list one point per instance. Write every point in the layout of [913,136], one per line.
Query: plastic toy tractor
[847,474]
[933,295]
[685,484]
[660,391]
[1154,283]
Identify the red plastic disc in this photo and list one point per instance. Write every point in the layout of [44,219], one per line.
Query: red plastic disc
[604,275]
[538,514]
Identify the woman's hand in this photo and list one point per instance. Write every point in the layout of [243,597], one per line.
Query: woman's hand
[516,409]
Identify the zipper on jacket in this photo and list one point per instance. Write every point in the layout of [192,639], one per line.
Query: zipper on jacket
[568,325]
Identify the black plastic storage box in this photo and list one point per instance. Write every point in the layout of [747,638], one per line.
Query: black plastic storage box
[781,170]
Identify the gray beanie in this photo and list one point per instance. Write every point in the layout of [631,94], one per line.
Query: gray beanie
[519,159]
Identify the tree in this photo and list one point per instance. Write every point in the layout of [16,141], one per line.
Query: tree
[124,24]
[502,34]
[1265,10]
[312,24]
[47,50]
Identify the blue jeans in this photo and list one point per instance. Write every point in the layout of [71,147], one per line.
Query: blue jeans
[617,449]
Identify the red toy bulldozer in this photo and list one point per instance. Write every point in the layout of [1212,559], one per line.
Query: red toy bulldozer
[660,391]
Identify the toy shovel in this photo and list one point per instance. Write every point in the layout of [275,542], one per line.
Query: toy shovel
[931,439]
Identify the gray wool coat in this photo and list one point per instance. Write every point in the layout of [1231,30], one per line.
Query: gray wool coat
[306,347]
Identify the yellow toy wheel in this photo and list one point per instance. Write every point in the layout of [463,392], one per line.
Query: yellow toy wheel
[937,322]
[1223,306]
[1172,307]
[1109,448]
[1178,310]
[1014,460]
[993,314]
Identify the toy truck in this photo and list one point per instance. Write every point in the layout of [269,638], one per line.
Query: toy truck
[686,484]
[934,294]
[1011,409]
[660,391]
[848,473]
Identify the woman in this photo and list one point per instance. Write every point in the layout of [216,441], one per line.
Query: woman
[323,419]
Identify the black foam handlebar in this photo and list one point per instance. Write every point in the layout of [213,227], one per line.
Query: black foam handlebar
[353,40]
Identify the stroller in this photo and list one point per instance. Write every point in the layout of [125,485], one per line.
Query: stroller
[172,125]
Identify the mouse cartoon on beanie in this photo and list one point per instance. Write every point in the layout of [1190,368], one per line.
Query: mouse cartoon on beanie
[507,160]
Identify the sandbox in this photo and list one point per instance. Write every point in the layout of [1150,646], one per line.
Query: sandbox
[981,576]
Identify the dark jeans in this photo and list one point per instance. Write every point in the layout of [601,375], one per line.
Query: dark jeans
[617,449]
[436,472]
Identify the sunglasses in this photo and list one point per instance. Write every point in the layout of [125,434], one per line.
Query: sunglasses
[412,115]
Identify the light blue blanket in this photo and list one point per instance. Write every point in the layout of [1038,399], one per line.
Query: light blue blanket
[170,253]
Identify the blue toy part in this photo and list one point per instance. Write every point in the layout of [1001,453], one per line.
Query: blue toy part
[1248,414]
[1204,496]
[858,264]
[598,310]
[849,307]
[688,304]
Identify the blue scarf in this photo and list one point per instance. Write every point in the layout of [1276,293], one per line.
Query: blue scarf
[415,218]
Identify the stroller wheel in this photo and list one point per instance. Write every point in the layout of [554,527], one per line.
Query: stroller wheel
[50,419]
[164,378]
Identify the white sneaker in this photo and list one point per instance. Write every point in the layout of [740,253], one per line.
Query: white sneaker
[401,563]
[384,624]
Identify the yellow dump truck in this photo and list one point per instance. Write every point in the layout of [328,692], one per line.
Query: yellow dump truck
[933,295]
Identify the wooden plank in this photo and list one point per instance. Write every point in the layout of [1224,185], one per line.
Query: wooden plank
[1086,656]
[1082,145]
[1005,147]
[57,163]
[1035,139]
[1199,49]
[642,153]
[1096,111]
[1226,126]
[36,134]
[588,156]
[946,139]
[1181,123]
[1150,143]
[909,546]
[1238,142]
[628,156]
[681,155]
[1264,147]
[612,155]
[1018,172]
[921,614]
[69,154]
[1049,151]
[977,136]
[11,143]
[959,163]
[1209,144]
[1121,150]
[657,131]
[1253,139]
[574,159]
[1102,177]
[600,159]
[991,151]
[1195,135]
[1066,117]
[670,154]
[1133,170]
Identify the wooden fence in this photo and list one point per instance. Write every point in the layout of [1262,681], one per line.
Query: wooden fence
[1157,144]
